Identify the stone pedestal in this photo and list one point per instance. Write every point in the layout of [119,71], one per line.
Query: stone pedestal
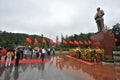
[104,40]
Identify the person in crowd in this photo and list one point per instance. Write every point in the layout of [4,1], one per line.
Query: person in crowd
[43,54]
[40,51]
[13,56]
[48,52]
[53,51]
[0,53]
[21,53]
[37,53]
[25,53]
[31,51]
[9,57]
[18,52]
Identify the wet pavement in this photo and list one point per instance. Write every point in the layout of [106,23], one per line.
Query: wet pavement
[60,68]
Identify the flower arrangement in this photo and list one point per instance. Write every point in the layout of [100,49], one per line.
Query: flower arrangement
[87,54]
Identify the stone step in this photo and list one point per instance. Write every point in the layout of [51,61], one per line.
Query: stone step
[118,78]
[117,70]
[117,67]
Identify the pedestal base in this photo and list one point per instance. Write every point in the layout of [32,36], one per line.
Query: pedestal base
[104,40]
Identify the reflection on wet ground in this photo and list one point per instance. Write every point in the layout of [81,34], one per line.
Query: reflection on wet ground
[60,68]
[98,71]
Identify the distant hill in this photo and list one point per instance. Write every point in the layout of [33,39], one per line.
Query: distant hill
[10,40]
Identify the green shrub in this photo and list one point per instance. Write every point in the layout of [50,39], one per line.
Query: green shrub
[116,48]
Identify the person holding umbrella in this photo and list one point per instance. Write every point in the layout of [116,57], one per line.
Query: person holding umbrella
[17,57]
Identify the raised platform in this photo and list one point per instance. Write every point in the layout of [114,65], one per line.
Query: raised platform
[80,60]
[104,40]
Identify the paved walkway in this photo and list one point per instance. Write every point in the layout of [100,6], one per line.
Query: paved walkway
[60,68]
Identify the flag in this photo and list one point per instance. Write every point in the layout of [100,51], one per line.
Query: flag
[86,43]
[43,41]
[76,42]
[71,42]
[89,42]
[64,42]
[35,41]
[80,42]
[28,40]
[51,42]
[57,42]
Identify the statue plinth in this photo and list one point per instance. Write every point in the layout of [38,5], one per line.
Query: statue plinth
[104,40]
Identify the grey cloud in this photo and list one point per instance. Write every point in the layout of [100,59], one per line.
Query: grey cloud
[53,17]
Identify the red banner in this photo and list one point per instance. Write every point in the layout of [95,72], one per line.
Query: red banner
[86,43]
[80,42]
[71,42]
[57,42]
[89,42]
[64,42]
[43,41]
[35,41]
[76,42]
[51,42]
[28,40]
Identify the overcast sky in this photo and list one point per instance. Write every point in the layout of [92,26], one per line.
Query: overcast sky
[55,17]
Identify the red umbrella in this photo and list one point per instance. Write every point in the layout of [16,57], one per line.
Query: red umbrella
[3,51]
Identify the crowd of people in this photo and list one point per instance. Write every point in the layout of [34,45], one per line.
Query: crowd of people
[24,53]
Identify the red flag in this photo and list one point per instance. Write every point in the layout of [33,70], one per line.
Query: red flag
[80,42]
[57,42]
[76,42]
[71,42]
[28,40]
[86,43]
[43,41]
[116,39]
[35,41]
[51,42]
[3,51]
[89,42]
[64,42]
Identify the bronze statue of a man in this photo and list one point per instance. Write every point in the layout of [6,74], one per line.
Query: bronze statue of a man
[99,19]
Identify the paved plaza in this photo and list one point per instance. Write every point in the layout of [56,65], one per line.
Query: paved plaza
[60,68]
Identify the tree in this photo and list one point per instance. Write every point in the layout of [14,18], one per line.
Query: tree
[116,31]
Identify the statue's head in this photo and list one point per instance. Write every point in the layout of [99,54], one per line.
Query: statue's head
[98,8]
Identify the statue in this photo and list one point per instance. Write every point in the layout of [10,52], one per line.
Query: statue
[99,19]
